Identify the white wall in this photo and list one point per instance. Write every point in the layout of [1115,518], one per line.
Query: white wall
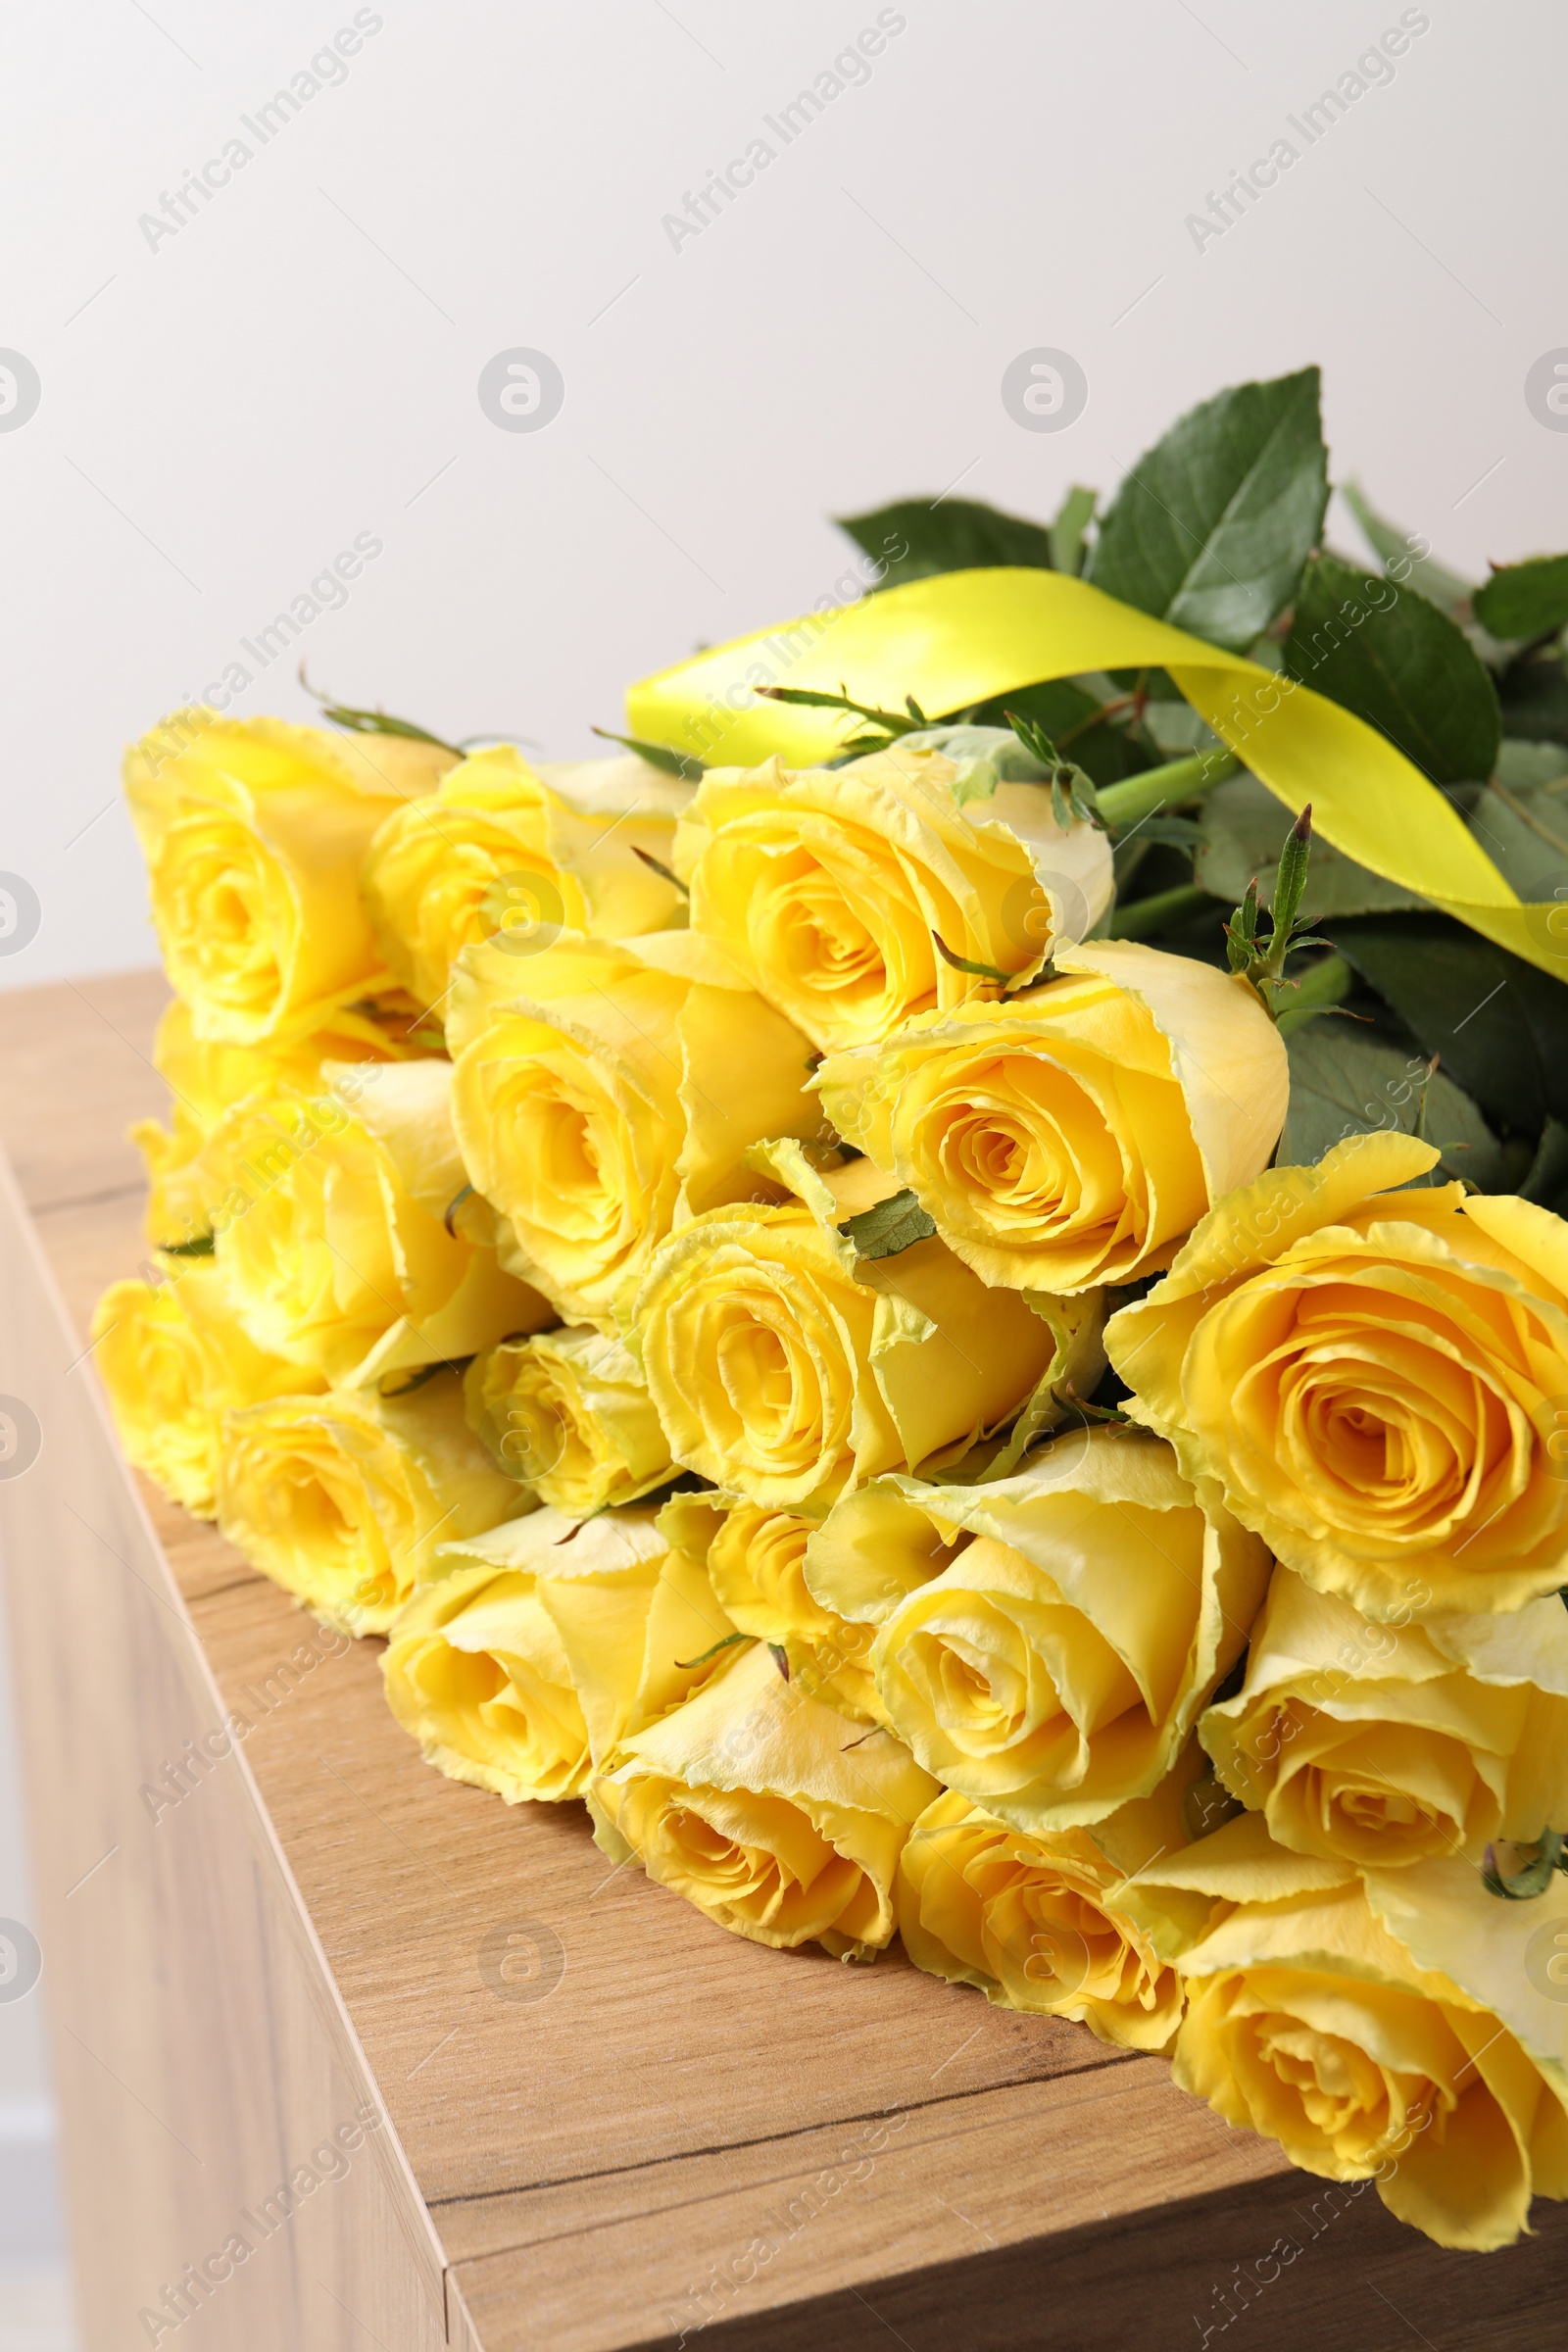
[224,411]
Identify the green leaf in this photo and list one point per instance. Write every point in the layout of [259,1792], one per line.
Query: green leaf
[1213,526]
[1068,525]
[1548,1179]
[1521,819]
[891,1225]
[1345,1082]
[1499,1025]
[1175,727]
[1319,989]
[1397,549]
[959,535]
[661,756]
[1400,663]
[1244,828]
[1525,599]
[201,1245]
[1532,766]
[1534,694]
[1176,832]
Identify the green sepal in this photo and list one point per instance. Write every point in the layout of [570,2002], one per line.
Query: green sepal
[661,756]
[1206,1805]
[888,1227]
[658,866]
[1068,525]
[962,963]
[892,722]
[1290,878]
[685,1665]
[373,722]
[1524,599]
[1523,1886]
[1072,793]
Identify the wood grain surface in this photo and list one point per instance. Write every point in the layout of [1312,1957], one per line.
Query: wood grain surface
[664,2132]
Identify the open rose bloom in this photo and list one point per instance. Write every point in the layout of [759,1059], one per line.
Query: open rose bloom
[1074,1135]
[1317,2015]
[825,886]
[750,1802]
[1046,1641]
[341,1496]
[604,1094]
[1368,1377]
[1029,1920]
[522,1659]
[1380,1744]
[254,834]
[786,1368]
[496,854]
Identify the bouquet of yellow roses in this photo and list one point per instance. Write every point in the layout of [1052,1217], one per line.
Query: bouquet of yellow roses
[861,1288]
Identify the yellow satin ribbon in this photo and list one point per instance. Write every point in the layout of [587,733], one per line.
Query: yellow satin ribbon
[967,636]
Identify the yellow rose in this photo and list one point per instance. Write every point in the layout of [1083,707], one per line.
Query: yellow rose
[207,1078]
[1029,1921]
[825,886]
[1309,2020]
[254,832]
[1075,1134]
[1053,1666]
[756,1562]
[495,853]
[336,1228]
[785,1368]
[1373,1380]
[1378,1745]
[536,1648]
[568,1412]
[746,1801]
[338,1498]
[175,1359]
[613,1096]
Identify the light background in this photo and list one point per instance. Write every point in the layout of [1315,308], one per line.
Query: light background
[224,411]
[221,414]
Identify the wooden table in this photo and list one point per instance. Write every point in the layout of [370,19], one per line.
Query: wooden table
[687,2137]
